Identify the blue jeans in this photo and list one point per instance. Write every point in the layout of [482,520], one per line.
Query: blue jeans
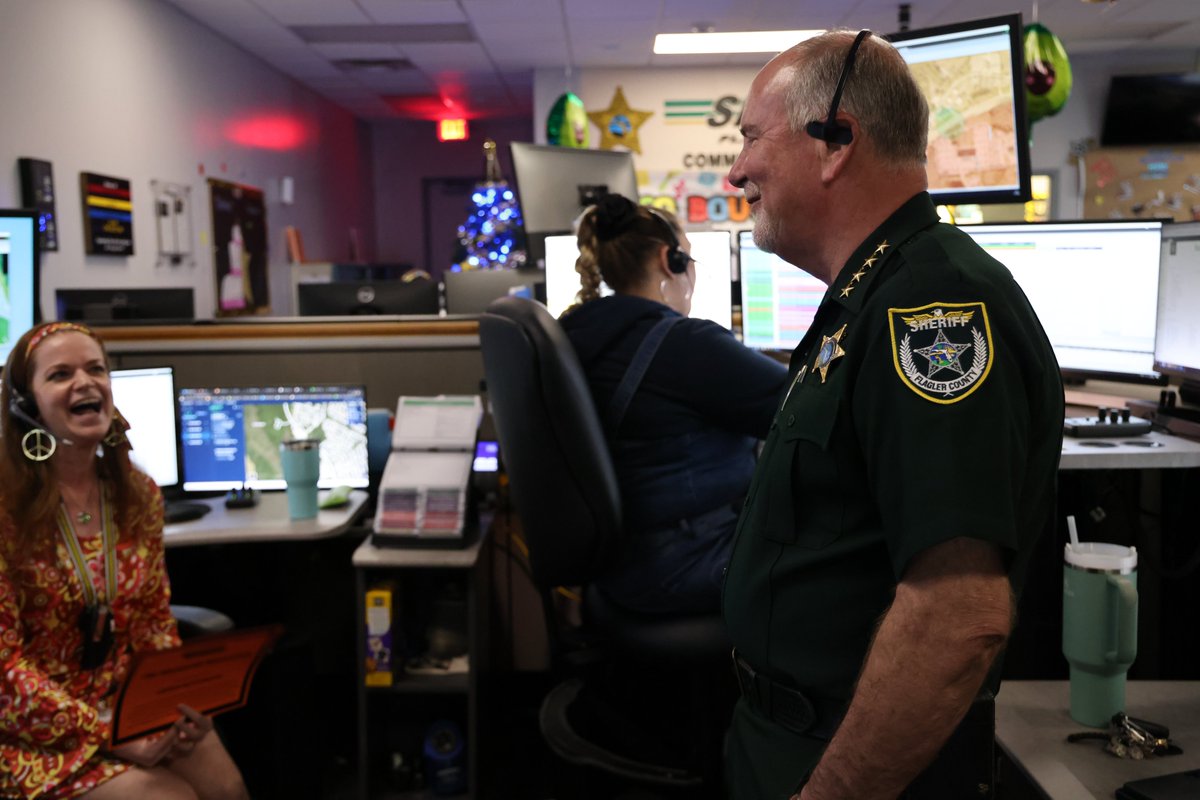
[676,569]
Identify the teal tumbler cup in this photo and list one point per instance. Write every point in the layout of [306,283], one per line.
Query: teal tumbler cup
[1099,640]
[301,467]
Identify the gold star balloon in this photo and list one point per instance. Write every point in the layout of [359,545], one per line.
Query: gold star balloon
[619,123]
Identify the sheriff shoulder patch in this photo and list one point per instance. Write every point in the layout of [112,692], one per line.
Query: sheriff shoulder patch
[942,351]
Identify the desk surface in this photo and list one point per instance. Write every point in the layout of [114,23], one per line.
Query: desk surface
[1032,725]
[266,521]
[1151,451]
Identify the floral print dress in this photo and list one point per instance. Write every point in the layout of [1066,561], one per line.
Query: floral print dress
[52,712]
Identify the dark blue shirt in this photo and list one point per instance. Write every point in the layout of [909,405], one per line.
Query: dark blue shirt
[686,445]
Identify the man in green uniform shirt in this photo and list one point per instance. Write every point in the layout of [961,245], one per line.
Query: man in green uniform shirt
[910,468]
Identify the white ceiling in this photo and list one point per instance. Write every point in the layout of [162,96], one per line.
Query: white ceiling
[478,56]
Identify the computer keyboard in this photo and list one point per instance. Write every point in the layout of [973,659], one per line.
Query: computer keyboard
[1107,423]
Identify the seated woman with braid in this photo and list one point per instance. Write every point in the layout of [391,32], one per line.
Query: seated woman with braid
[682,402]
[83,585]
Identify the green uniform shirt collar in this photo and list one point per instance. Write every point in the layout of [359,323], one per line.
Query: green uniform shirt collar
[852,284]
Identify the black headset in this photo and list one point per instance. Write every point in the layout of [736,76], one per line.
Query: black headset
[677,258]
[831,130]
[23,409]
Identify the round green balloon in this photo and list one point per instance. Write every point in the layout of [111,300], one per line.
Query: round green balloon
[1047,73]
[567,124]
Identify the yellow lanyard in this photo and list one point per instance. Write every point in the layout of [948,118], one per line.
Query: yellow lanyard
[109,552]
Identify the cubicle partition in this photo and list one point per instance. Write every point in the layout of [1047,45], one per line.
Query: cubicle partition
[389,355]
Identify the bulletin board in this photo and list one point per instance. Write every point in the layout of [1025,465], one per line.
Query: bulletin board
[1142,182]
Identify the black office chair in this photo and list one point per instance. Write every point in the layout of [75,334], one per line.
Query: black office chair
[564,490]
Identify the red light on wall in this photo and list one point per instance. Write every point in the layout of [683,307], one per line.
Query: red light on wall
[267,132]
[452,130]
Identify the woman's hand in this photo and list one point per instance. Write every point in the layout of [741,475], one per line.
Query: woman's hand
[188,730]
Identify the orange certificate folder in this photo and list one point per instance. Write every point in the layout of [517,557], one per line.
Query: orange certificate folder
[211,674]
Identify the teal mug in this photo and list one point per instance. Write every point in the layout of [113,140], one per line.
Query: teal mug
[1099,639]
[301,460]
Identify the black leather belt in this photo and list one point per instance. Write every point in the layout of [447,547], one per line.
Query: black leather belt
[806,714]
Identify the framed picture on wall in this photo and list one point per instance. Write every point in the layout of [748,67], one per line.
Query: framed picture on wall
[239,235]
[107,215]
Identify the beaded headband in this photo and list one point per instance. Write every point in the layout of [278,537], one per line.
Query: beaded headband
[51,329]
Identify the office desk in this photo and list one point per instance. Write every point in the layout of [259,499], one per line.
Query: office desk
[1151,451]
[266,521]
[1032,725]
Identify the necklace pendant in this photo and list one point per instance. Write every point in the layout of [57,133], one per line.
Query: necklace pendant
[83,517]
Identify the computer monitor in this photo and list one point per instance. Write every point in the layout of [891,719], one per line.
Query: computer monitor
[344,298]
[146,398]
[471,292]
[125,306]
[779,300]
[972,74]
[19,310]
[230,437]
[555,184]
[1094,286]
[711,299]
[1177,343]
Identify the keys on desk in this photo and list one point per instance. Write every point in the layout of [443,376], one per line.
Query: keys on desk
[1108,422]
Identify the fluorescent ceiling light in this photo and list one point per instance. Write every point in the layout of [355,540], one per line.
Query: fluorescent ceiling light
[729,42]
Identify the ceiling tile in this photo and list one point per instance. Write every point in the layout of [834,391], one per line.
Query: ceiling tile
[313,12]
[420,12]
[484,11]
[626,10]
[435,55]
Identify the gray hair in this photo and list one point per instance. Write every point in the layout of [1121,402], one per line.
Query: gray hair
[881,93]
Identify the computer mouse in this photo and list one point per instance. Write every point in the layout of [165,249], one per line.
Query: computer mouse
[338,496]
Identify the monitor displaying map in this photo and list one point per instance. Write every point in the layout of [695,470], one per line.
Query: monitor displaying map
[972,74]
[230,436]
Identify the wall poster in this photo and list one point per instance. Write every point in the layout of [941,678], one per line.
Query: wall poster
[107,215]
[239,220]
[1143,183]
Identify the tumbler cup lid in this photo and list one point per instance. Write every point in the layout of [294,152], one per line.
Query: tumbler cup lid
[1101,556]
[300,444]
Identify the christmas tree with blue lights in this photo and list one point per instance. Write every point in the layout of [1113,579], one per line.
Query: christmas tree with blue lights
[492,236]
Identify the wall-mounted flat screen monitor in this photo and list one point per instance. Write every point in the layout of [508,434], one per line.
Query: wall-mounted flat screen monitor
[972,74]
[347,298]
[1152,109]
[230,437]
[146,398]
[471,292]
[1094,286]
[125,306]
[19,310]
[779,300]
[1177,344]
[711,298]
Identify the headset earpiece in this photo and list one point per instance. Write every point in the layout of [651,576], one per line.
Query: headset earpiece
[677,257]
[830,130]
[23,409]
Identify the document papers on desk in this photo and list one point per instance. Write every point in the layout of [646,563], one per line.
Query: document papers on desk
[446,422]
[424,491]
[423,494]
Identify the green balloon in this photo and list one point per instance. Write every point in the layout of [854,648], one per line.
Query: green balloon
[1047,73]
[567,124]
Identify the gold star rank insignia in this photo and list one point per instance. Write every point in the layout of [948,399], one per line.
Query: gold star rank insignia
[879,248]
[831,350]
[848,288]
[619,123]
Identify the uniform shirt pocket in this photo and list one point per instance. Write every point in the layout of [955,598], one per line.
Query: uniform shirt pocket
[805,502]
